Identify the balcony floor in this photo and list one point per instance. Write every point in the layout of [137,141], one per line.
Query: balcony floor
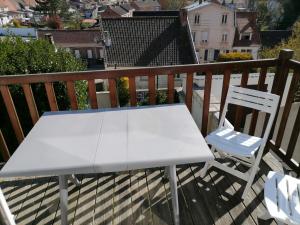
[140,197]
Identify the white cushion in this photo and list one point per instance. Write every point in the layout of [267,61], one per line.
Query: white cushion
[233,142]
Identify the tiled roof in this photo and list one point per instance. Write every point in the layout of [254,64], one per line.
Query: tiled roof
[118,10]
[73,38]
[127,7]
[246,22]
[156,13]
[148,41]
[270,38]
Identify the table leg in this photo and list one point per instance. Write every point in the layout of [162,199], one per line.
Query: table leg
[174,193]
[74,180]
[63,191]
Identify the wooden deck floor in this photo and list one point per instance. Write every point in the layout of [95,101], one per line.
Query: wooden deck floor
[140,197]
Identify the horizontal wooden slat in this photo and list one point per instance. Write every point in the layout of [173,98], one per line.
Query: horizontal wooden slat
[31,103]
[132,91]
[51,96]
[206,102]
[72,95]
[152,90]
[171,88]
[260,87]
[3,148]
[113,93]
[92,94]
[12,113]
[118,73]
[189,91]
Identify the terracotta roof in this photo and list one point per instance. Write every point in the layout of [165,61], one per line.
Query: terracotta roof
[148,41]
[246,23]
[146,5]
[270,38]
[73,38]
[127,7]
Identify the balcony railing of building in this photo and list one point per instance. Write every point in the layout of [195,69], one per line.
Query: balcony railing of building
[283,65]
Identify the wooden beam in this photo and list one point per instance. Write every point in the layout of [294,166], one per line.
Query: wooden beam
[12,113]
[152,89]
[206,102]
[31,103]
[92,94]
[113,93]
[4,149]
[51,96]
[170,88]
[189,91]
[225,86]
[72,95]
[132,91]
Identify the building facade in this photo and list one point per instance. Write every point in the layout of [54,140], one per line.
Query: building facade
[212,27]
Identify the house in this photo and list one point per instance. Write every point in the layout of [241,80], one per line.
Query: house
[114,11]
[213,28]
[247,37]
[84,44]
[270,38]
[146,5]
[148,41]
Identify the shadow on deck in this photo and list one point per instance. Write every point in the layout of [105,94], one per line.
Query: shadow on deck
[140,197]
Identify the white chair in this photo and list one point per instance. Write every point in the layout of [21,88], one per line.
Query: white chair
[6,218]
[282,197]
[238,146]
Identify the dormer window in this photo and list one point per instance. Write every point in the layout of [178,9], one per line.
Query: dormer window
[246,36]
[197,19]
[224,18]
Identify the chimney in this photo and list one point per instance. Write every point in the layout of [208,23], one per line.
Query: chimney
[183,17]
[49,38]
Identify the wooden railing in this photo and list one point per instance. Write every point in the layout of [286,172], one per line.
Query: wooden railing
[281,65]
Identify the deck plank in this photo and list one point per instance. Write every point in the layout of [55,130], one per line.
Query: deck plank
[159,203]
[103,213]
[122,200]
[141,197]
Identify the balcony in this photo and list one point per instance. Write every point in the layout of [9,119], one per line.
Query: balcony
[142,197]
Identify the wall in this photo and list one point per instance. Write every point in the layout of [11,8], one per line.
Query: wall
[211,21]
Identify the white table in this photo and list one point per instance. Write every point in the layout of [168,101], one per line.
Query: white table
[98,141]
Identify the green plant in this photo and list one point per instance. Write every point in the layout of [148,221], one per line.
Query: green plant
[123,92]
[16,23]
[234,56]
[35,56]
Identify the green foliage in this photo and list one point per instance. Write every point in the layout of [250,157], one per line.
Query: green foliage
[292,43]
[36,56]
[161,98]
[234,56]
[123,93]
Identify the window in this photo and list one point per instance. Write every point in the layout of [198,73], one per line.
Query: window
[197,19]
[101,52]
[204,36]
[89,54]
[194,36]
[243,50]
[249,50]
[216,54]
[224,37]
[245,36]
[205,54]
[77,54]
[224,18]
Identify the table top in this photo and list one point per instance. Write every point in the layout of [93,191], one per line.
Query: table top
[111,140]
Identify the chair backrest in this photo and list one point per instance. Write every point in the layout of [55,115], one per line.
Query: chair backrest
[6,217]
[259,100]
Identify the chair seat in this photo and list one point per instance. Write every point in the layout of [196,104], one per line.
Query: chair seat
[233,142]
[282,197]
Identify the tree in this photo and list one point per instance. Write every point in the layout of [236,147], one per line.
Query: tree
[35,56]
[292,43]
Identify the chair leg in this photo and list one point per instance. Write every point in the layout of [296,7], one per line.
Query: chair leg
[265,216]
[204,169]
[250,181]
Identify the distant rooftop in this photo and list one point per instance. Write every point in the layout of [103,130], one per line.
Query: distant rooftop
[148,41]
[157,13]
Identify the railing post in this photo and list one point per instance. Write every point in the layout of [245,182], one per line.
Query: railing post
[279,82]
